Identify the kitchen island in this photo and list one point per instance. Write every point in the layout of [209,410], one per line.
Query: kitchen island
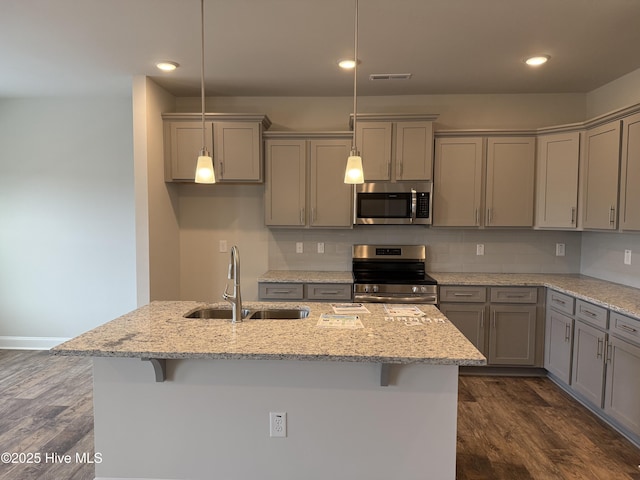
[374,402]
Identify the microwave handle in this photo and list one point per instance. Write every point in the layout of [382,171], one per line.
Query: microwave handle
[414,202]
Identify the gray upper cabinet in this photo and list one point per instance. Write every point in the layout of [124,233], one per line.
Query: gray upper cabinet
[457,182]
[601,170]
[238,151]
[558,160]
[285,191]
[395,149]
[630,174]
[234,140]
[510,182]
[305,183]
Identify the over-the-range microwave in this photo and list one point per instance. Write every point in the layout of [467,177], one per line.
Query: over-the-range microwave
[393,203]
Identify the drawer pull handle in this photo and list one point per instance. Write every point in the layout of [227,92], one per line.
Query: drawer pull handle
[600,345]
[627,328]
[281,291]
[607,351]
[567,332]
[590,313]
[329,292]
[513,295]
[557,300]
[457,294]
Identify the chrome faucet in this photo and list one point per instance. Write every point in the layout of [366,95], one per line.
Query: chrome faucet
[234,274]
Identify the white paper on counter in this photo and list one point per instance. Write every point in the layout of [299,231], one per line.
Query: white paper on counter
[403,310]
[349,308]
[328,320]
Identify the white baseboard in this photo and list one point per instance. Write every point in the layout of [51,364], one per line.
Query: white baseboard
[30,343]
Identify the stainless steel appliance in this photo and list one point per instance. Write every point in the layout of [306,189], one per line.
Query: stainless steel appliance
[392,274]
[397,203]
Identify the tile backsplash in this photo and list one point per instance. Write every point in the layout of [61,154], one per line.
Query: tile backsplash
[448,250]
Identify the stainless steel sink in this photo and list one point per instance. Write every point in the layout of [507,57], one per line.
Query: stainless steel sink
[213,313]
[268,314]
[280,314]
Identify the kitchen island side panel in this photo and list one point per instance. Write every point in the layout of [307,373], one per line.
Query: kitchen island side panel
[210,419]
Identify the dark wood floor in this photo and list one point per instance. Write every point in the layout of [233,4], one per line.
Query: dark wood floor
[508,428]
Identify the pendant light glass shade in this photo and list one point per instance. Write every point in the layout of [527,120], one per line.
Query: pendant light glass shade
[353,173]
[204,169]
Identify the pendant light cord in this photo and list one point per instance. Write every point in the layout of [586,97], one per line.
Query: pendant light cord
[204,145]
[354,148]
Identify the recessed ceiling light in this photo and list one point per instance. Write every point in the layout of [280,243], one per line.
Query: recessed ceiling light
[167,66]
[347,64]
[537,60]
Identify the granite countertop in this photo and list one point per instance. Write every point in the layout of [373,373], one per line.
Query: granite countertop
[616,297]
[159,330]
[305,276]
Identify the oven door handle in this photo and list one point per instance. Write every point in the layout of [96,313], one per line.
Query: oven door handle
[431,299]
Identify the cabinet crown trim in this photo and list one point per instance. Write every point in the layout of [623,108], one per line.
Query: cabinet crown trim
[221,117]
[394,117]
[306,135]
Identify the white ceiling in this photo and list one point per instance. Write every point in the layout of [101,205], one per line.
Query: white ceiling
[290,47]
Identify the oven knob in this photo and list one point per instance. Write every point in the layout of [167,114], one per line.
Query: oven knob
[414,289]
[375,289]
[366,289]
[423,289]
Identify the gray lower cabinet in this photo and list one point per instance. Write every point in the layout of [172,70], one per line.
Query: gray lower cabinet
[622,388]
[316,292]
[587,376]
[512,335]
[558,345]
[502,322]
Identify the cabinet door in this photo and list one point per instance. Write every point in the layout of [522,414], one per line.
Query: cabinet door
[457,188]
[510,181]
[601,165]
[469,319]
[557,180]
[630,174]
[623,388]
[587,376]
[285,191]
[512,335]
[185,143]
[414,151]
[238,154]
[331,199]
[558,342]
[374,143]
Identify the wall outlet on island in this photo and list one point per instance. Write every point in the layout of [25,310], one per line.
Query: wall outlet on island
[299,248]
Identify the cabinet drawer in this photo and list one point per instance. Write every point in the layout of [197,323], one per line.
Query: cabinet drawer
[592,314]
[328,291]
[463,294]
[626,327]
[281,291]
[514,295]
[561,302]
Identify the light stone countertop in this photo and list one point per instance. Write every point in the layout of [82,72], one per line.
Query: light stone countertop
[616,297]
[159,330]
[305,276]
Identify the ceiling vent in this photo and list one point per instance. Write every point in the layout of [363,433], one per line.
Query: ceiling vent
[390,76]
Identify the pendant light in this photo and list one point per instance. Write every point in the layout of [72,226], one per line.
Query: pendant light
[353,173]
[204,168]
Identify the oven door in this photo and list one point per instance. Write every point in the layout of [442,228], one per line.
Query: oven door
[395,208]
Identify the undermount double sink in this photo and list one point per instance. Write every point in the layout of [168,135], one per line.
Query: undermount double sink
[250,314]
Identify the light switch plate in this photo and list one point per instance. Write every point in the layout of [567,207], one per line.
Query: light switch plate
[559,249]
[627,257]
[480,249]
[320,247]
[299,248]
[223,246]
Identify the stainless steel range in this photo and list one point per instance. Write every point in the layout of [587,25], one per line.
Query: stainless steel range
[392,274]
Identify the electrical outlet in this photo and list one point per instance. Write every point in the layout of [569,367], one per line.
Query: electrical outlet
[320,247]
[223,246]
[627,257]
[559,249]
[480,249]
[299,248]
[277,424]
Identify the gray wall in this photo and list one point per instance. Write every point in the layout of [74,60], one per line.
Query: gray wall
[603,256]
[67,240]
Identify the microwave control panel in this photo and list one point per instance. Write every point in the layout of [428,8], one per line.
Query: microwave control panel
[422,205]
